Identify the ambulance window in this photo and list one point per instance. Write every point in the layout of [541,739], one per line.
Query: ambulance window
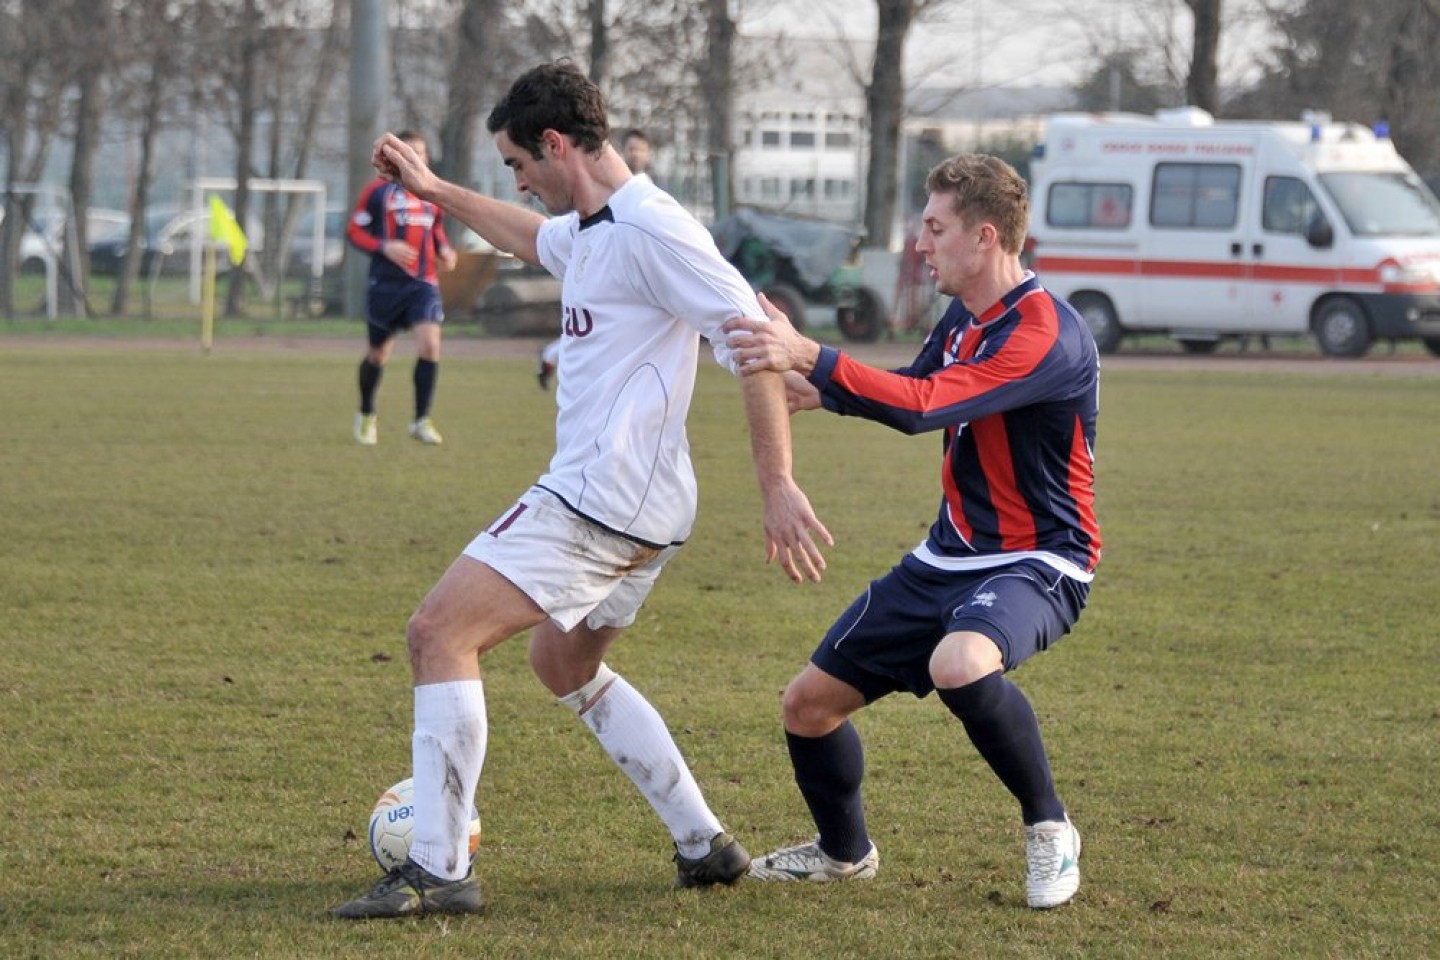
[1099,206]
[1195,196]
[1384,203]
[1288,205]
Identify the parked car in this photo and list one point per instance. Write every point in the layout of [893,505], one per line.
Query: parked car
[301,245]
[170,234]
[42,248]
[107,255]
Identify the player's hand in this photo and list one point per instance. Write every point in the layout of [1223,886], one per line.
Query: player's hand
[769,345]
[401,254]
[396,161]
[448,259]
[791,530]
[800,394]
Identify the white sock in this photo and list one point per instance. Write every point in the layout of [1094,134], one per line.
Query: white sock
[634,734]
[447,752]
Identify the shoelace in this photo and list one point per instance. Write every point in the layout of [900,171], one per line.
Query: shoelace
[803,857]
[1045,855]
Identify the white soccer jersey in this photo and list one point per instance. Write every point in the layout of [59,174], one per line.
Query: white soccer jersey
[642,280]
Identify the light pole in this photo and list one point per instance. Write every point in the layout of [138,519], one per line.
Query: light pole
[369,104]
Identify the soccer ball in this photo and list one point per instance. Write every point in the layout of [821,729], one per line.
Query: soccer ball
[392,824]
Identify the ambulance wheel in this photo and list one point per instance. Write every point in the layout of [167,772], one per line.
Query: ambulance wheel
[1433,345]
[789,302]
[1099,316]
[1341,328]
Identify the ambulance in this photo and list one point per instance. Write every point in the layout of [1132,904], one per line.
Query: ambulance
[1207,230]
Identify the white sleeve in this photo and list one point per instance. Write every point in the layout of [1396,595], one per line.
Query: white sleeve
[688,277]
[554,243]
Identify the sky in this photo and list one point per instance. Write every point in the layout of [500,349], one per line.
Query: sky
[980,43]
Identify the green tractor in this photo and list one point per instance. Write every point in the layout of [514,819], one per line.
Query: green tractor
[806,268]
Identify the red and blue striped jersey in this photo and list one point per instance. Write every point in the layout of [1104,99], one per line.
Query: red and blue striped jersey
[1016,392]
[387,211]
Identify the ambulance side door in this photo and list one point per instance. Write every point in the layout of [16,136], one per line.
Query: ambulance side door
[1195,261]
[1288,271]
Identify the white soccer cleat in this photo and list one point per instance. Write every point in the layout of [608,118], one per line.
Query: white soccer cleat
[1052,863]
[424,431]
[366,433]
[808,862]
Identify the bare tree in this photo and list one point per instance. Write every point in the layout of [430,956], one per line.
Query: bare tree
[95,58]
[1361,62]
[471,66]
[885,107]
[247,36]
[300,58]
[33,79]
[154,50]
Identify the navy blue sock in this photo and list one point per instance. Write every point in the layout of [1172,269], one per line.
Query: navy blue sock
[426,373]
[1001,724]
[828,771]
[370,374]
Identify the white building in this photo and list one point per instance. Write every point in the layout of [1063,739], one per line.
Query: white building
[801,141]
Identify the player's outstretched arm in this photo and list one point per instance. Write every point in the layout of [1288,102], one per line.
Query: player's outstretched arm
[791,527]
[506,226]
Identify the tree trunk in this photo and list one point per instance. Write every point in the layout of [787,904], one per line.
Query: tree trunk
[82,184]
[885,106]
[244,141]
[469,70]
[318,92]
[599,43]
[1201,87]
[717,86]
[1400,95]
[149,133]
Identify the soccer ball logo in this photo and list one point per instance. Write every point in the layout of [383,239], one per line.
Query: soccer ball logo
[392,825]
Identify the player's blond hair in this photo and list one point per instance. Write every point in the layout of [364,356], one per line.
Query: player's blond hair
[985,189]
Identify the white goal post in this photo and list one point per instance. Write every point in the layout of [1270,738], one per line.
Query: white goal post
[198,205]
[53,200]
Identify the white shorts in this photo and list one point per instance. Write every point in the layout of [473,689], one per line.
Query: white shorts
[573,569]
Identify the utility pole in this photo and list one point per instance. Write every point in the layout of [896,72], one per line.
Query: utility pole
[369,106]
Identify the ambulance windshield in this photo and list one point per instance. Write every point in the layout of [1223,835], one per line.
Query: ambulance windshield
[1388,204]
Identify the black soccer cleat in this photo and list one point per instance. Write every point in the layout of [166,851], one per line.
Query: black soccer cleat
[726,863]
[410,890]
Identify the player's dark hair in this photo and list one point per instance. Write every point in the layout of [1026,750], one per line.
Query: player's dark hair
[553,96]
[985,189]
[634,133]
[412,136]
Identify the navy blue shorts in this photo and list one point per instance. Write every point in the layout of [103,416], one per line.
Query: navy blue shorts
[883,643]
[393,307]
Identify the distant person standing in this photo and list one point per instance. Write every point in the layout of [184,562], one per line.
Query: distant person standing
[406,241]
[635,150]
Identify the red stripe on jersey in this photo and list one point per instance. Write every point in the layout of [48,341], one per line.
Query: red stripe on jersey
[954,505]
[1012,514]
[1082,490]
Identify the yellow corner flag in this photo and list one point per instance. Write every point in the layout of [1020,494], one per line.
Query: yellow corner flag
[224,229]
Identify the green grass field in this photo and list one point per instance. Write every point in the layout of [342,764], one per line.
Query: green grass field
[204,586]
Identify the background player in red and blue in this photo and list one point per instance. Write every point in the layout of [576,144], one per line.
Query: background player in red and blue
[406,241]
[1010,375]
